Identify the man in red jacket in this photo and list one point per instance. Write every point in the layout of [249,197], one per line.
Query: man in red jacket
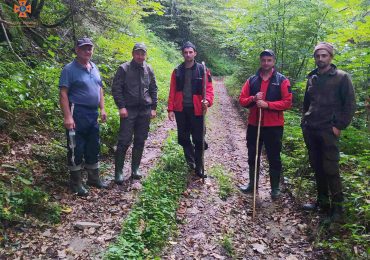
[269,91]
[186,106]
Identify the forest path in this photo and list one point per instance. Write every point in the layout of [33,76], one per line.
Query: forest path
[210,224]
[106,207]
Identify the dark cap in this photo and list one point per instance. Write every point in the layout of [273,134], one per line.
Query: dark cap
[188,45]
[139,46]
[267,52]
[84,41]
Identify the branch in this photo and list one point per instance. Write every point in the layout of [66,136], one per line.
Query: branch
[6,22]
[8,41]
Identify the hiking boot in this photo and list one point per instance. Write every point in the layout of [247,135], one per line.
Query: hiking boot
[93,179]
[76,183]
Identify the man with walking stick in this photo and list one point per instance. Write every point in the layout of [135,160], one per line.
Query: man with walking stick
[267,94]
[188,103]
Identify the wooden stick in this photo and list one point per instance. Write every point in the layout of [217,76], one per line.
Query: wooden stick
[256,163]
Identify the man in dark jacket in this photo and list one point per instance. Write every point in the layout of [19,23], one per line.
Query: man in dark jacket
[329,105]
[134,91]
[270,92]
[186,105]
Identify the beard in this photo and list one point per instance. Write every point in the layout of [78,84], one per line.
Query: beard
[322,64]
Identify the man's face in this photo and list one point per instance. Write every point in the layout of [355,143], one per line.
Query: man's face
[322,58]
[189,54]
[139,56]
[267,63]
[84,52]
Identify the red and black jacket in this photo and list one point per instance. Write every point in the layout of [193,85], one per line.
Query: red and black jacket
[175,97]
[277,94]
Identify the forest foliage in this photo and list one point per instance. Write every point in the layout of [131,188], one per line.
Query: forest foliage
[229,36]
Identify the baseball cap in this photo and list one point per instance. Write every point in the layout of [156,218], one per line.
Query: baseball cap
[84,41]
[139,46]
[267,52]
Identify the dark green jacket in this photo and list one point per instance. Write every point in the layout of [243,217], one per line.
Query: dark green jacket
[134,85]
[329,100]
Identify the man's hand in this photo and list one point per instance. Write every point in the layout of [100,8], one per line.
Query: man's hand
[123,113]
[171,115]
[262,104]
[336,131]
[153,113]
[258,96]
[103,115]
[205,105]
[69,123]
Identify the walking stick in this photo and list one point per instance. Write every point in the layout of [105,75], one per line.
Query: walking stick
[256,163]
[204,117]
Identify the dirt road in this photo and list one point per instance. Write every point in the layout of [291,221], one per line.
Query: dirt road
[215,229]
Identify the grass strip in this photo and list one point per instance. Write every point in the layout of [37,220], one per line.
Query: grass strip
[148,226]
[224,180]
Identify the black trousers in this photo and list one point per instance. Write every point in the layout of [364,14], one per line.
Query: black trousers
[323,154]
[271,137]
[136,125]
[189,125]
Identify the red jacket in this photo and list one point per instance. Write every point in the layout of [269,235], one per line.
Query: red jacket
[175,96]
[278,98]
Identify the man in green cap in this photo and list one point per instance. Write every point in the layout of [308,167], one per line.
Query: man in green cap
[134,91]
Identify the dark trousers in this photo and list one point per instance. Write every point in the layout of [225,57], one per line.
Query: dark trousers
[189,125]
[136,125]
[323,154]
[271,137]
[86,139]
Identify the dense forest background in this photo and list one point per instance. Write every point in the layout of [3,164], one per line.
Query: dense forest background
[229,36]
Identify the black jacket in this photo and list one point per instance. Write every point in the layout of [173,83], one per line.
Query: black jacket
[134,85]
[329,100]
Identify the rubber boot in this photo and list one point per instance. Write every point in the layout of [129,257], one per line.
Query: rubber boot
[322,205]
[189,156]
[275,184]
[199,171]
[249,188]
[76,183]
[137,153]
[337,213]
[93,179]
[119,163]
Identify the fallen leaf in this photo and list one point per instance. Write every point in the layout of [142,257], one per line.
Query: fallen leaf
[66,209]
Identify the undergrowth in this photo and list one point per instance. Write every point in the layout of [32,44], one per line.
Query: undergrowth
[153,218]
[224,181]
